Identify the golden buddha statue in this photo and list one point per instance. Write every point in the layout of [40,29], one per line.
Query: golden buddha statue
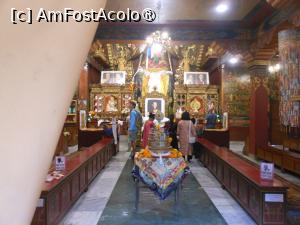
[121,61]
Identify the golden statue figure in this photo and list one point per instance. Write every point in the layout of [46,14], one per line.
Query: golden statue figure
[188,56]
[185,63]
[121,61]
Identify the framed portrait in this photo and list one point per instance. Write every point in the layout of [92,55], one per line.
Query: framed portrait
[154,105]
[196,78]
[113,77]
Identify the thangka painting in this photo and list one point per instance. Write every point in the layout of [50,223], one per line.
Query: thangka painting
[105,103]
[154,72]
[196,105]
[110,104]
[237,93]
[289,52]
[157,59]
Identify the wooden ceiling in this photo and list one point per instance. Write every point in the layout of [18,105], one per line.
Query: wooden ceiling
[249,28]
[188,20]
[187,10]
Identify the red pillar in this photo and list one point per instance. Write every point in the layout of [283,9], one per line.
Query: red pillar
[259,104]
[83,85]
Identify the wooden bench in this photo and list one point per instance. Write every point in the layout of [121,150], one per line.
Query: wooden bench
[265,201]
[291,144]
[58,196]
[284,159]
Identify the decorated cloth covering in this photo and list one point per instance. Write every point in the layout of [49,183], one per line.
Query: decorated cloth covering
[161,175]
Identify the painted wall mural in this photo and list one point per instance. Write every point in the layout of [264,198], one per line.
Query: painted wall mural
[289,52]
[273,84]
[236,88]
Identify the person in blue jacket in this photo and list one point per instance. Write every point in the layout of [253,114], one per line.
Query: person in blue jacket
[135,123]
[211,117]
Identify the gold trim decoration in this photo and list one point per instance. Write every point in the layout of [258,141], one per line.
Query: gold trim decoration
[99,98]
[185,95]
[255,63]
[257,81]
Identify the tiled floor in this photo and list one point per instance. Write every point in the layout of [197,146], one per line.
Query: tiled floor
[88,209]
[90,205]
[227,206]
[194,206]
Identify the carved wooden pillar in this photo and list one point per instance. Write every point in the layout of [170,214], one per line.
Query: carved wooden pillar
[259,104]
[83,88]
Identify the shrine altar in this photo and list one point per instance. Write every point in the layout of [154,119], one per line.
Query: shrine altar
[162,175]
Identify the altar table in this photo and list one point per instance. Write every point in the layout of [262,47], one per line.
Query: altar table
[161,175]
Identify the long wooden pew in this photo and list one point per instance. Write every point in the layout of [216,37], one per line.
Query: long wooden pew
[58,196]
[284,159]
[265,201]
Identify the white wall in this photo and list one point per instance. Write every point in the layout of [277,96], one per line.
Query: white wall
[40,66]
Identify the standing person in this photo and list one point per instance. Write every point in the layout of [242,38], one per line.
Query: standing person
[200,131]
[139,125]
[185,130]
[147,127]
[211,117]
[114,127]
[200,128]
[193,145]
[132,128]
[172,131]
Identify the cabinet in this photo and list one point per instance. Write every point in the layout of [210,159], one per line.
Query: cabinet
[71,125]
[72,112]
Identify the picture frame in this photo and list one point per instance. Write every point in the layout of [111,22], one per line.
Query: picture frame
[154,105]
[196,78]
[113,77]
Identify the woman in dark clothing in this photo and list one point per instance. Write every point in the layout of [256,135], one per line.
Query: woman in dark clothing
[197,146]
[172,131]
